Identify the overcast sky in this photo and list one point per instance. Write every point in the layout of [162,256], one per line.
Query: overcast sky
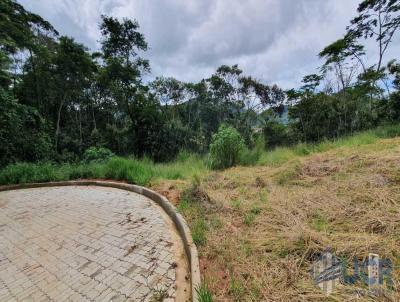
[276,41]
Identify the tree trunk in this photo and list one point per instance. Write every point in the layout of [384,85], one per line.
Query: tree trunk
[58,121]
[93,117]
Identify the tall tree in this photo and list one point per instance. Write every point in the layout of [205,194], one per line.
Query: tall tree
[73,68]
[379,19]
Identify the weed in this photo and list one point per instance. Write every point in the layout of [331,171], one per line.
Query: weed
[263,196]
[236,289]
[159,295]
[289,174]
[249,218]
[236,204]
[302,150]
[276,157]
[216,223]
[319,222]
[183,206]
[199,228]
[203,293]
[255,210]
[246,247]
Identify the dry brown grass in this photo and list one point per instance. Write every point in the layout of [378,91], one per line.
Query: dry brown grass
[266,224]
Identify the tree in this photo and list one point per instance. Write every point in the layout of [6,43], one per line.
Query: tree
[169,92]
[73,68]
[121,43]
[337,55]
[379,19]
[22,132]
[123,70]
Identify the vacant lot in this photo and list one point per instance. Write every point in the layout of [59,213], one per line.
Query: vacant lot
[259,228]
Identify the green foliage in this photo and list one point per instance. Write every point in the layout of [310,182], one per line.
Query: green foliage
[23,173]
[275,134]
[284,154]
[387,131]
[276,157]
[199,229]
[203,293]
[22,132]
[289,174]
[236,288]
[132,170]
[320,116]
[251,157]
[249,218]
[226,148]
[97,154]
[44,172]
[58,99]
[319,222]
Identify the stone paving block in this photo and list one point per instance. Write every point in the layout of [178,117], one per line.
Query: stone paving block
[83,244]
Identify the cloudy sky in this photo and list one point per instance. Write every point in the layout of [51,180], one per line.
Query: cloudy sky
[276,41]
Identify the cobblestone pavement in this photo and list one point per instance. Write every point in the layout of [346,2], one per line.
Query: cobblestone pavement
[84,244]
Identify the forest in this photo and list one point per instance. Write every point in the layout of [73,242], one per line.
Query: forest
[61,102]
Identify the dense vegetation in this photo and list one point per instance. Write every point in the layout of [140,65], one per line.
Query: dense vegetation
[61,103]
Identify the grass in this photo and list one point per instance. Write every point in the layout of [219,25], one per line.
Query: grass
[199,228]
[276,217]
[144,171]
[259,227]
[204,293]
[132,170]
[282,155]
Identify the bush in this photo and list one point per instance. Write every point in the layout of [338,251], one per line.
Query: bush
[22,132]
[226,148]
[252,157]
[388,131]
[275,134]
[97,154]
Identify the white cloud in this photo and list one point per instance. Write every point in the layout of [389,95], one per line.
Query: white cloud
[273,40]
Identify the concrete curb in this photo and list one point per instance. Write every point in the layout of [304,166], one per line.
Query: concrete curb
[178,220]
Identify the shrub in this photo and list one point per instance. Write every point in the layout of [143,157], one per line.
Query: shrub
[388,131]
[97,154]
[226,148]
[252,157]
[22,132]
[275,133]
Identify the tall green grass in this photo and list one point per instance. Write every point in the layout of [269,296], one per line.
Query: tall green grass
[283,154]
[132,170]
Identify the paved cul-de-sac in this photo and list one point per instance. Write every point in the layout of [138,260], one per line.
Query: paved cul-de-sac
[87,243]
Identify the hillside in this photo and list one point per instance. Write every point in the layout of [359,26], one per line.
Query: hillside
[259,228]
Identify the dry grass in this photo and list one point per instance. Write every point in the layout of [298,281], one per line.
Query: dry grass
[263,226]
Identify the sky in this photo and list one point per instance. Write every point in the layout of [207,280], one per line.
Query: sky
[275,41]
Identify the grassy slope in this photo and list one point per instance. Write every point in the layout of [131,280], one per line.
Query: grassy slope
[261,226]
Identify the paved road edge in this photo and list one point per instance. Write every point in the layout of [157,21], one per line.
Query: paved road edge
[177,218]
